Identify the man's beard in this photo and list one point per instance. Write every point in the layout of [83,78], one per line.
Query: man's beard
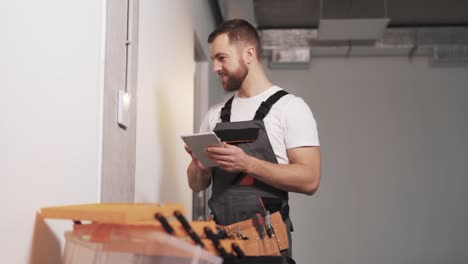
[235,79]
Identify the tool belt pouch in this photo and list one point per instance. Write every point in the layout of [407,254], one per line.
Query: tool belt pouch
[228,209]
[247,233]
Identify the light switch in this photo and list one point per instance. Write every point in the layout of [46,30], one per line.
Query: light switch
[124,108]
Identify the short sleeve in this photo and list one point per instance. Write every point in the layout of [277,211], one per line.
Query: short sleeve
[211,118]
[205,125]
[300,127]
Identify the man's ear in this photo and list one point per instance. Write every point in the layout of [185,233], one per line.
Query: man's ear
[249,54]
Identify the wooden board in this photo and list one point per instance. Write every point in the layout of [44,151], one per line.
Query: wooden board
[111,212]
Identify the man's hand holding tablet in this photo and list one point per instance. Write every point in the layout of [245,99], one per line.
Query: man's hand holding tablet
[197,143]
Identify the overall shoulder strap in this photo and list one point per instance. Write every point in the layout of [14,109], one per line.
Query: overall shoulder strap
[226,111]
[265,106]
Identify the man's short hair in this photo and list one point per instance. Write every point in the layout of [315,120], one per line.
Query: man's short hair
[238,30]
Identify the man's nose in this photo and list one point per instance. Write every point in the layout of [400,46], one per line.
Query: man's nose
[216,67]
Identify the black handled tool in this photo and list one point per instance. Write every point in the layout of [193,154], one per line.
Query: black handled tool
[164,223]
[188,228]
[238,250]
[216,243]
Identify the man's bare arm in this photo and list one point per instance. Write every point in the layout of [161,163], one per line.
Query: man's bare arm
[198,179]
[301,175]
[199,176]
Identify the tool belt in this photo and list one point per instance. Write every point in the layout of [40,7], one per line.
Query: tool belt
[257,237]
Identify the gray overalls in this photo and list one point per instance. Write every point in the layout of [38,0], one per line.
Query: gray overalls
[236,196]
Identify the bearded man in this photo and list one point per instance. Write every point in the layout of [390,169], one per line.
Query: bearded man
[271,147]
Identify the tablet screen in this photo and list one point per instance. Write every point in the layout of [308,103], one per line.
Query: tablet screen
[197,143]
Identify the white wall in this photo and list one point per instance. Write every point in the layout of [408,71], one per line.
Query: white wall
[394,147]
[50,120]
[166,96]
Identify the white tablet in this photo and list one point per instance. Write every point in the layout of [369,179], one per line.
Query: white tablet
[197,143]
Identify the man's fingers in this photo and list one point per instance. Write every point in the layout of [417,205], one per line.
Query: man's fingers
[188,150]
[217,157]
[195,160]
[220,150]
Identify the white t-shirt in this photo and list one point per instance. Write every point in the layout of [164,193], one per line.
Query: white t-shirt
[289,124]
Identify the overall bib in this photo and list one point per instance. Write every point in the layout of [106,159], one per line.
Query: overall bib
[236,196]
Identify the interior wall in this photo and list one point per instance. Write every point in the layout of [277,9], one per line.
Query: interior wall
[166,96]
[118,150]
[50,121]
[394,148]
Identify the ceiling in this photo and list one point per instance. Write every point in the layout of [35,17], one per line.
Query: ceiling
[434,28]
[282,14]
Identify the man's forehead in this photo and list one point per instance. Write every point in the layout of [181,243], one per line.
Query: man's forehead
[221,41]
[222,38]
[220,44]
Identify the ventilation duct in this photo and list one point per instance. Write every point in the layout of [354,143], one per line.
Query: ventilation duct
[287,38]
[287,58]
[243,9]
[448,55]
[351,29]
[340,20]
[444,45]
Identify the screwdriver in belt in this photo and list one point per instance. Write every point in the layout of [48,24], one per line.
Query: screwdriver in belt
[260,224]
[268,227]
